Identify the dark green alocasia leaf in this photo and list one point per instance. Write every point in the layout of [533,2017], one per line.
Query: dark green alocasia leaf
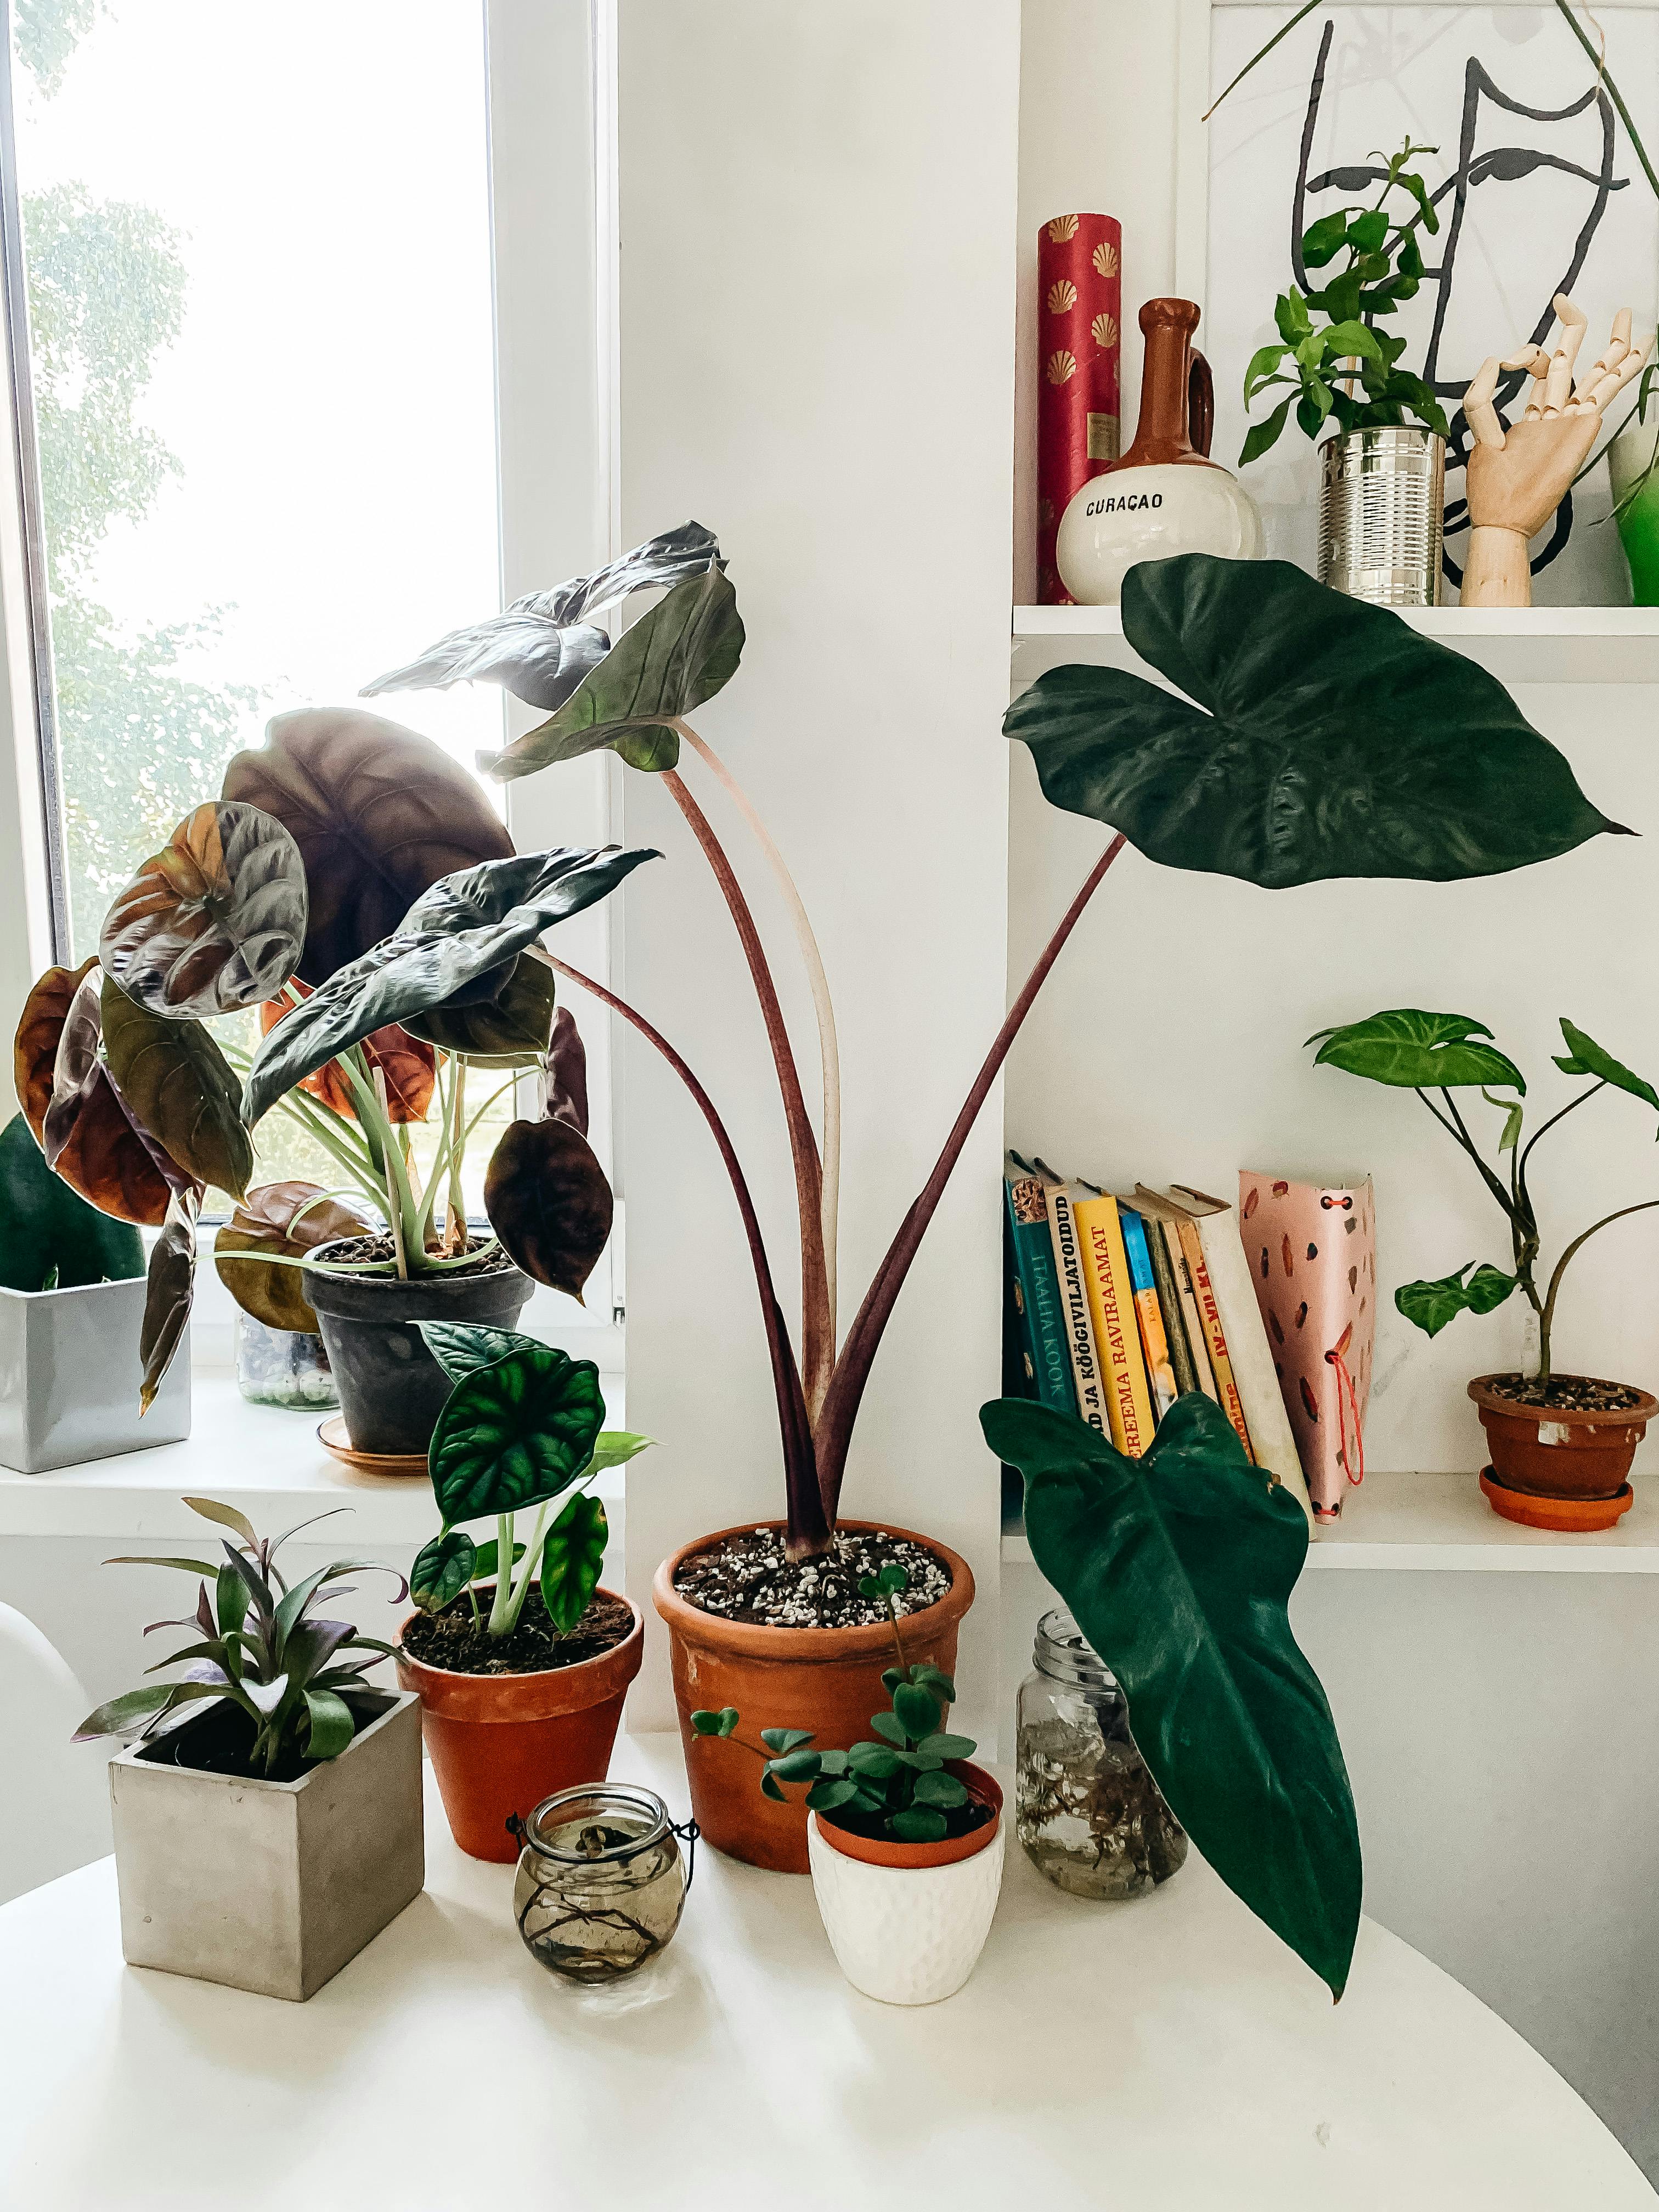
[48,1232]
[1178,1567]
[1431,1305]
[512,1029]
[572,1560]
[678,655]
[442,1570]
[1417,1051]
[457,933]
[1585,1057]
[550,1202]
[181,1087]
[168,1296]
[461,1348]
[1328,738]
[484,1567]
[516,1433]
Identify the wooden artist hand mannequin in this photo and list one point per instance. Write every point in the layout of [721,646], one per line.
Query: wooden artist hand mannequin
[1516,479]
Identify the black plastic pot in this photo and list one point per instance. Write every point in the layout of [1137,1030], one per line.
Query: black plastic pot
[391,1389]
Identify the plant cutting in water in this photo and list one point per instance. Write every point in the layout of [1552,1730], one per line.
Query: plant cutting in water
[1438,1054]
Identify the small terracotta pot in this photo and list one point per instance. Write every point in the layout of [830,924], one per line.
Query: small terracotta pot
[825,1679]
[500,1744]
[1544,1453]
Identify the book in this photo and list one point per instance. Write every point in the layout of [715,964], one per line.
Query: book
[1168,1299]
[1192,1322]
[1215,1337]
[1111,1307]
[1061,1198]
[1149,1315]
[1079,338]
[1272,1443]
[1035,1289]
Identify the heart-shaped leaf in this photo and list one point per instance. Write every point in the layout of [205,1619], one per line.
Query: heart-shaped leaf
[442,1570]
[179,1086]
[1585,1057]
[462,1347]
[919,1824]
[512,1029]
[1329,739]
[941,1790]
[379,814]
[516,1433]
[678,655]
[572,1560]
[1178,1567]
[548,1202]
[1431,1305]
[50,1237]
[91,1138]
[1417,1051]
[286,1220]
[459,932]
[704,1722]
[916,1710]
[541,647]
[409,1064]
[169,1294]
[40,1032]
[214,921]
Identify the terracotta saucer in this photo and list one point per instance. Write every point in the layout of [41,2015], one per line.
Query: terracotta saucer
[1569,1516]
[333,1438]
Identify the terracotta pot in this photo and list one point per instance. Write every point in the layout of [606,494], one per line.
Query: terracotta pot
[827,1680]
[1546,1454]
[907,1922]
[500,1744]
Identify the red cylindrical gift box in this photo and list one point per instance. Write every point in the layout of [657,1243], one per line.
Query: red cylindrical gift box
[1079,327]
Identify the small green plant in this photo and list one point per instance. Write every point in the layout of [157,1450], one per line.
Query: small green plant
[1443,1052]
[262,1650]
[50,1238]
[1328,340]
[896,1788]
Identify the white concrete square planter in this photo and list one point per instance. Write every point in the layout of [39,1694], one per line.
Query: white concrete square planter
[269,1885]
[69,1378]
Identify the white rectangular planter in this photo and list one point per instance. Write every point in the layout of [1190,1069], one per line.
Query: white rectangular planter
[269,1885]
[69,1378]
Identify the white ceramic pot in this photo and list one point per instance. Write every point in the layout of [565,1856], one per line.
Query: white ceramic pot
[907,1924]
[1146,514]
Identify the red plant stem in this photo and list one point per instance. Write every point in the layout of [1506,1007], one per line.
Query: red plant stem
[809,1530]
[817,1351]
[834,1432]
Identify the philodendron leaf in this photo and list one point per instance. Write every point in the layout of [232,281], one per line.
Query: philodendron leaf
[572,1559]
[516,1433]
[462,1347]
[1431,1305]
[550,1202]
[1329,739]
[442,1570]
[168,1296]
[1585,1057]
[214,921]
[48,1231]
[1178,1567]
[677,655]
[180,1085]
[457,933]
[281,1220]
[1417,1051]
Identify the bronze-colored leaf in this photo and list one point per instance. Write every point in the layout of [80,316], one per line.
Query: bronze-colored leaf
[291,1219]
[513,1031]
[180,1087]
[567,1074]
[214,921]
[103,1157]
[169,1294]
[34,1050]
[378,813]
[409,1064]
[548,1202]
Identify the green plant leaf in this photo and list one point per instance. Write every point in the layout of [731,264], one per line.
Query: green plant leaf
[825,1796]
[550,1202]
[917,1711]
[461,1348]
[180,1088]
[512,1029]
[488,1559]
[47,1230]
[1291,314]
[723,1723]
[169,1292]
[615,1447]
[1322,240]
[891,1726]
[122,1715]
[1177,1568]
[795,1767]
[941,1790]
[230,1600]
[331,1725]
[1367,232]
[877,1761]
[1585,1057]
[226,1516]
[1514,1114]
[1330,739]
[917,1824]
[1345,340]
[1263,434]
[286,1220]
[572,1559]
[832,1762]
[771,1787]
[779,1741]
[205,1568]
[1417,1051]
[442,1570]
[1261,365]
[948,1747]
[516,1433]
[1431,1305]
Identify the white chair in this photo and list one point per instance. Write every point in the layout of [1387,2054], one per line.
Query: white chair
[54,1795]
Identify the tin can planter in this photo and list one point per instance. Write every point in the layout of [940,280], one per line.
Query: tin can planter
[601,1884]
[827,1681]
[500,1744]
[1382,500]
[1563,1468]
[70,1372]
[907,1922]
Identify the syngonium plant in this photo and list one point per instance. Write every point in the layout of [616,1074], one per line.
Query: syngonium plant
[1316,738]
[353,886]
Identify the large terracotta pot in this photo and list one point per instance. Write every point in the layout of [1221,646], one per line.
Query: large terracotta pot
[827,1680]
[1540,1452]
[500,1744]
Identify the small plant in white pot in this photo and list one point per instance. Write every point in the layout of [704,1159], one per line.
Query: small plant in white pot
[905,1840]
[267,1811]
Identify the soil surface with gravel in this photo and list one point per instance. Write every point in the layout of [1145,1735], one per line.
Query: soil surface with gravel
[1566,1393]
[747,1578]
[452,1640]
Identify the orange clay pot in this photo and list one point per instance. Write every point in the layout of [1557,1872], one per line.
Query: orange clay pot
[827,1680]
[1540,1452]
[500,1744]
[882,1850]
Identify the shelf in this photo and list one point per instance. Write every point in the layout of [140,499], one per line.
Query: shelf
[1518,645]
[1442,1524]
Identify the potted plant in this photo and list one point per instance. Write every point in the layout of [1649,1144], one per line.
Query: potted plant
[905,1833]
[1561,1445]
[267,1811]
[71,1304]
[353,886]
[520,1659]
[1331,740]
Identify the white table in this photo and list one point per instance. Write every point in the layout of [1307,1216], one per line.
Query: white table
[1167,2053]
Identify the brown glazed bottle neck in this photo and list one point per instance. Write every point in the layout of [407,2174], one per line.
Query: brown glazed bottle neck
[1163,433]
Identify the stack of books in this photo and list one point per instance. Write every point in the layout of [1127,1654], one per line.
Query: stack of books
[1117,1305]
